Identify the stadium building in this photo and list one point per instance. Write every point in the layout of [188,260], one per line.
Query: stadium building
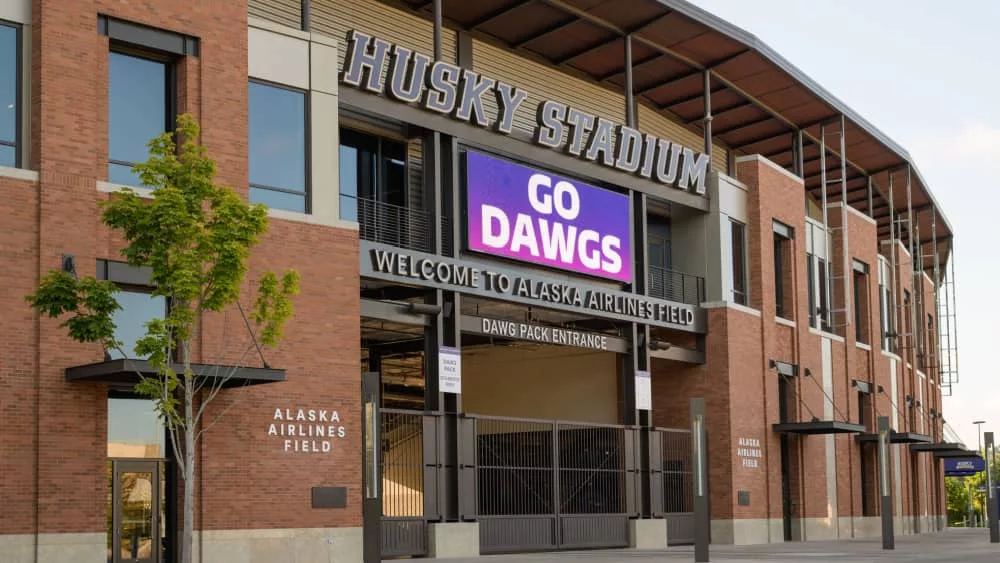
[529,232]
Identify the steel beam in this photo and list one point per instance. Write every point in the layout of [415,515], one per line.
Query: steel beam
[629,87]
[497,13]
[549,31]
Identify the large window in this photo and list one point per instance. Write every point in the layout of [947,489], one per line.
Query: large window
[137,309]
[9,94]
[861,306]
[372,176]
[278,147]
[738,238]
[887,306]
[783,281]
[139,109]
[134,428]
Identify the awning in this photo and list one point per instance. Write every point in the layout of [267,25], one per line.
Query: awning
[897,438]
[123,372]
[944,449]
[818,427]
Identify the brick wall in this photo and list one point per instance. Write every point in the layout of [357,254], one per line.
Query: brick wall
[249,481]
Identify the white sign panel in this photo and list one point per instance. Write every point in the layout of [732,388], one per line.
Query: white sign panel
[643,391]
[749,452]
[449,370]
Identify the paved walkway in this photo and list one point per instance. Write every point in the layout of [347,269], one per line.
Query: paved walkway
[959,545]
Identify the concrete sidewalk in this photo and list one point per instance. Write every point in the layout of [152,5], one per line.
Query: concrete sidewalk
[958,544]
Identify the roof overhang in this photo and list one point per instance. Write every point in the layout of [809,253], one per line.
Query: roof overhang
[759,100]
[126,373]
[944,449]
[818,427]
[897,438]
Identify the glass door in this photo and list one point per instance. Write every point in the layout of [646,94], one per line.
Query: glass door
[135,497]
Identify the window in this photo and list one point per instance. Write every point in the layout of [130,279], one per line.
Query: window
[10,83]
[861,307]
[372,175]
[907,329]
[139,109]
[134,428]
[277,142]
[887,302]
[739,249]
[137,309]
[783,282]
[823,308]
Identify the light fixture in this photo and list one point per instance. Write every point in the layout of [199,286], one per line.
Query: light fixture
[659,345]
[425,308]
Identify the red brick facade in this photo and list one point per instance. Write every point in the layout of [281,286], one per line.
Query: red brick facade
[741,389]
[53,438]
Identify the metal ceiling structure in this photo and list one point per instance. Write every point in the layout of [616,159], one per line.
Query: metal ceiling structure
[686,60]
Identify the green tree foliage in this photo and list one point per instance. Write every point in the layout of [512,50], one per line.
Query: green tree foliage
[959,490]
[195,236]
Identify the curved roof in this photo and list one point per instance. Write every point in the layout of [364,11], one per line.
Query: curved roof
[759,99]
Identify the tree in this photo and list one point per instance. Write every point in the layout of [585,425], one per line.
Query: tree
[958,500]
[195,236]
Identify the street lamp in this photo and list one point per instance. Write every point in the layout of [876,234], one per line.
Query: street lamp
[979,436]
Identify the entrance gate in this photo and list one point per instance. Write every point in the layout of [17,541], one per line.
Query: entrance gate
[135,511]
[535,484]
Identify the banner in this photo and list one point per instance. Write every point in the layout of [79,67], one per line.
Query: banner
[521,213]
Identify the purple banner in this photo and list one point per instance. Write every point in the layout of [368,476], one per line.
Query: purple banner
[533,216]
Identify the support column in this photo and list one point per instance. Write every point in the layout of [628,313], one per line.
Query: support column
[630,119]
[645,532]
[885,491]
[707,120]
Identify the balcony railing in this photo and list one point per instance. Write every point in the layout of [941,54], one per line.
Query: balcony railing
[395,225]
[676,286]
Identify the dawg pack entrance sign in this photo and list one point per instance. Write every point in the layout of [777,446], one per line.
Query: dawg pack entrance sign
[446,88]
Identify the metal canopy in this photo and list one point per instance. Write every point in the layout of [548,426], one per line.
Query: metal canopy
[818,427]
[897,438]
[944,449]
[759,99]
[127,373]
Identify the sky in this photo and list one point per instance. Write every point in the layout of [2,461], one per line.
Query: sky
[925,74]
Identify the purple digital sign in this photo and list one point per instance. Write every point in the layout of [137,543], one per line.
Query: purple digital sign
[533,216]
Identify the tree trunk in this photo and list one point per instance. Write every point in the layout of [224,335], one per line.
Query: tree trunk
[187,538]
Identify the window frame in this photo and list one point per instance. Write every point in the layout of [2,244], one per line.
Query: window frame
[378,183]
[171,96]
[859,279]
[18,141]
[744,251]
[307,146]
[782,241]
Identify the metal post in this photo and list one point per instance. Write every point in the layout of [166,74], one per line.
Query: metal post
[893,341]
[800,160]
[991,494]
[629,88]
[888,533]
[304,15]
[871,212]
[845,267]
[699,449]
[437,30]
[707,120]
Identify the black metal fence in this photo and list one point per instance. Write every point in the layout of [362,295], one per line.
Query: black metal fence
[546,485]
[678,485]
[395,225]
[676,286]
[532,485]
[404,524]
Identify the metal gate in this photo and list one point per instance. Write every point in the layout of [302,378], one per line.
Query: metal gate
[404,523]
[546,485]
[678,486]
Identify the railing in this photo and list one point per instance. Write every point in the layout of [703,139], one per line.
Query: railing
[678,488]
[676,286]
[395,225]
[551,485]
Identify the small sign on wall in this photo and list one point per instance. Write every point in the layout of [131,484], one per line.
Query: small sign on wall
[643,391]
[749,452]
[450,370]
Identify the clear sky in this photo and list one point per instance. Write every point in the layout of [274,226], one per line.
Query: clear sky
[927,75]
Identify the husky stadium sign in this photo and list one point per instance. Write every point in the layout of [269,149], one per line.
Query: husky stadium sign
[446,88]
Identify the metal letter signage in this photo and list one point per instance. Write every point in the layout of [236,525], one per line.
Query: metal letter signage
[493,281]
[445,88]
[518,212]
